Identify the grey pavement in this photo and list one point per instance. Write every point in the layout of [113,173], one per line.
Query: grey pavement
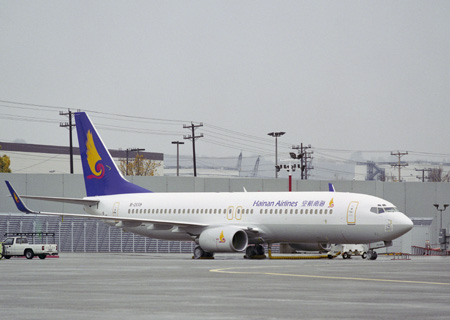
[173,286]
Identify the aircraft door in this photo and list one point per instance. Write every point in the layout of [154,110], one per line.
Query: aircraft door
[351,212]
[230,211]
[115,211]
[238,213]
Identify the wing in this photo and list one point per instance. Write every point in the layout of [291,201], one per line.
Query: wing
[84,202]
[195,227]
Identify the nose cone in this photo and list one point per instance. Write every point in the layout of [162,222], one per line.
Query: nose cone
[402,224]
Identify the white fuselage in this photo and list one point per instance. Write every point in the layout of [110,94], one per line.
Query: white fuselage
[294,217]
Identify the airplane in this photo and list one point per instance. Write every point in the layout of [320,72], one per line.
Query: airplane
[226,221]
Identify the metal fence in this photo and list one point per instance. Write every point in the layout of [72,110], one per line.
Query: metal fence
[84,235]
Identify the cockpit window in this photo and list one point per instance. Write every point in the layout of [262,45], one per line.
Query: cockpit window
[383,208]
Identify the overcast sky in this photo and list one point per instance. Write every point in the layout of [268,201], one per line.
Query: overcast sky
[341,75]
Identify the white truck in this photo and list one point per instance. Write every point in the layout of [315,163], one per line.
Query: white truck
[18,245]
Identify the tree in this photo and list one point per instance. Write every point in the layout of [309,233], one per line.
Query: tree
[138,167]
[437,175]
[5,162]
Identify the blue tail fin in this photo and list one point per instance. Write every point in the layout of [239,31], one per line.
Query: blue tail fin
[101,175]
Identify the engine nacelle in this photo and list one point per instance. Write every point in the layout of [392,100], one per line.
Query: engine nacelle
[311,246]
[223,239]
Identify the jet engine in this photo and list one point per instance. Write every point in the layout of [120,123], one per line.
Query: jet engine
[223,239]
[322,247]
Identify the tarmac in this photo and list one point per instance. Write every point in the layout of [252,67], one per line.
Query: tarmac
[174,286]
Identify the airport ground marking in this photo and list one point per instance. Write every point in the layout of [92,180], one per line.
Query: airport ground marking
[229,271]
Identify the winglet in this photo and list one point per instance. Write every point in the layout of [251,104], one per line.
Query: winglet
[331,187]
[19,203]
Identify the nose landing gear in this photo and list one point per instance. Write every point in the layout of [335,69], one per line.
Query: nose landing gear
[372,255]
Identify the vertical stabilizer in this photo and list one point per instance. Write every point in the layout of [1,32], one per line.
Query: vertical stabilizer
[101,175]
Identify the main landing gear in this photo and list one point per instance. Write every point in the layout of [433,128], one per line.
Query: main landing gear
[255,252]
[199,253]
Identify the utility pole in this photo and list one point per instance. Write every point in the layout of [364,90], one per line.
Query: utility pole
[399,164]
[304,155]
[423,173]
[70,126]
[178,155]
[193,137]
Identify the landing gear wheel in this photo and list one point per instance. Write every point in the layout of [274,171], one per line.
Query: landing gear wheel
[345,255]
[198,252]
[372,255]
[250,251]
[259,250]
[364,255]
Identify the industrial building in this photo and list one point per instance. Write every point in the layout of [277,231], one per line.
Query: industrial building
[39,158]
[411,171]
[416,200]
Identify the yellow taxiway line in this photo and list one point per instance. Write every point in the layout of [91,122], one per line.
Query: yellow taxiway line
[230,271]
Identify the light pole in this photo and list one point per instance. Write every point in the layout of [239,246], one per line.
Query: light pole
[276,135]
[442,234]
[437,208]
[178,155]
